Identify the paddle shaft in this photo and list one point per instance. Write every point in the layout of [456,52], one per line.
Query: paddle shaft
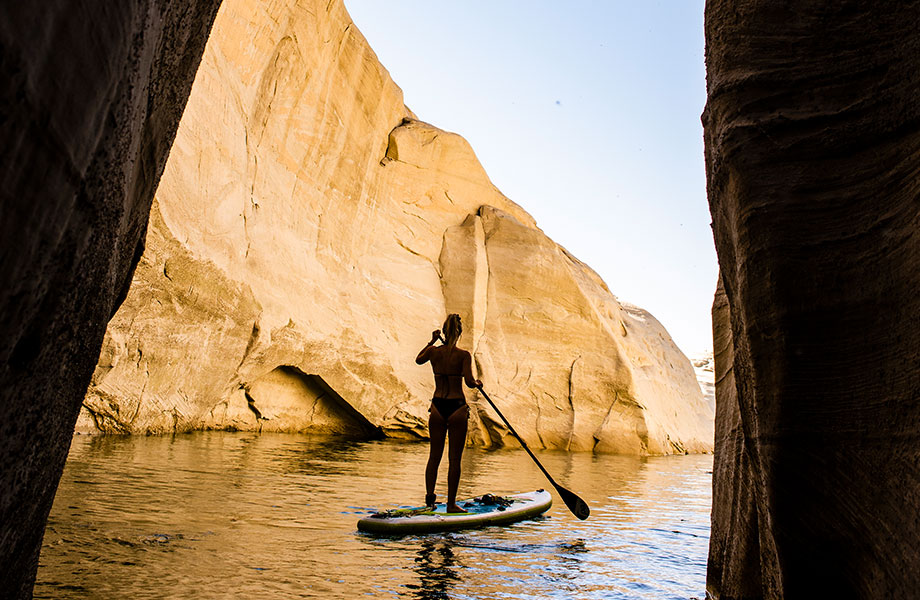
[515,434]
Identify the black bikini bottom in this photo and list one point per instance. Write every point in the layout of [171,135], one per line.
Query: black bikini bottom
[447,406]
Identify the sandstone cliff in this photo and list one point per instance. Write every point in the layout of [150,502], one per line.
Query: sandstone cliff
[704,367]
[308,234]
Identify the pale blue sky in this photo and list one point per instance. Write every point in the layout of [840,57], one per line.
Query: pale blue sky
[587,114]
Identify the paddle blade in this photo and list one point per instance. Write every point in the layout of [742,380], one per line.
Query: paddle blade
[578,506]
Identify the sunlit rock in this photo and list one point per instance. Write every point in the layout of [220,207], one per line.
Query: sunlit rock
[310,229]
[704,368]
[577,369]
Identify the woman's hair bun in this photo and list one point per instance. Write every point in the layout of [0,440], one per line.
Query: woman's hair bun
[452,328]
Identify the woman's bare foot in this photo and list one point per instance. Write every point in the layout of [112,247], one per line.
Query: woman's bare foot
[453,508]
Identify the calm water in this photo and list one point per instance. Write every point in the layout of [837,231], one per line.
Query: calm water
[219,515]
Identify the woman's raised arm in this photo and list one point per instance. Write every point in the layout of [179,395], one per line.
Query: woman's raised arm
[425,354]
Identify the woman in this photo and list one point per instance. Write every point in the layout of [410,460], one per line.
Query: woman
[448,410]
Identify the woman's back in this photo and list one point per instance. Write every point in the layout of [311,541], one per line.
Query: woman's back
[449,364]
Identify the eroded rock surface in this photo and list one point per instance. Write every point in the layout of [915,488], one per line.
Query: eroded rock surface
[90,98]
[812,151]
[734,567]
[578,369]
[309,228]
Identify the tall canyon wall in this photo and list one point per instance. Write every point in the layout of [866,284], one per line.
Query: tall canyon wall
[308,234]
[90,98]
[810,129]
[813,155]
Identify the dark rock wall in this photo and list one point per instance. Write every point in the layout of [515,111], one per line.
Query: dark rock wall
[90,98]
[812,133]
[734,568]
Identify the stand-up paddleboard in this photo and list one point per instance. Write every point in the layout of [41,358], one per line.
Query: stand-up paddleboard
[481,511]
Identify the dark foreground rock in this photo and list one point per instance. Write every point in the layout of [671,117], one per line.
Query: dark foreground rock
[812,132]
[90,98]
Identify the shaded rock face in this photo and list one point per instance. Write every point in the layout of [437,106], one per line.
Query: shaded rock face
[90,98]
[734,569]
[812,151]
[308,228]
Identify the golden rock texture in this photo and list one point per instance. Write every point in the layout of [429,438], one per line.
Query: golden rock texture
[310,232]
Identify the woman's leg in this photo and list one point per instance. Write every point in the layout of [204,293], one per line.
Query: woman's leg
[437,431]
[456,425]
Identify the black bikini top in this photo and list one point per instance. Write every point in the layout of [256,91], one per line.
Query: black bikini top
[448,375]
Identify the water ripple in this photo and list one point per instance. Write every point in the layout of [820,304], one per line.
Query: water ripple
[215,515]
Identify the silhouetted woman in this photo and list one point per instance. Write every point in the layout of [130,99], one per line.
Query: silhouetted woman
[448,410]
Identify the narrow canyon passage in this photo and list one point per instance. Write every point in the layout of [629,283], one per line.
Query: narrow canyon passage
[811,134]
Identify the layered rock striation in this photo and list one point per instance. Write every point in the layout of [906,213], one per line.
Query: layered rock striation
[812,152]
[308,234]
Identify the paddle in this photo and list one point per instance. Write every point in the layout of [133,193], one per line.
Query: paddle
[575,504]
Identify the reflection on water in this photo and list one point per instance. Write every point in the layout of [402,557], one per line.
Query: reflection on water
[215,515]
[435,565]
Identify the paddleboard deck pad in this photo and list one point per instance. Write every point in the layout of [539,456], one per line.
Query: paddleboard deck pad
[482,511]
